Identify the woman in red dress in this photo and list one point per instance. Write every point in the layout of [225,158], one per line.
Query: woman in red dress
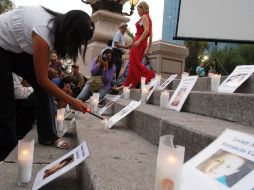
[140,47]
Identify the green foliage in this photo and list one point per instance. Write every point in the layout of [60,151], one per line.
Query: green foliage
[6,5]
[196,50]
[227,58]
[130,34]
[230,58]
[247,53]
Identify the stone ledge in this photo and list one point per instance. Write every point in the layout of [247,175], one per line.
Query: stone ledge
[204,84]
[236,107]
[119,158]
[193,131]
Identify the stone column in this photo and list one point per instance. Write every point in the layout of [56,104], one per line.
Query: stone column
[167,58]
[106,24]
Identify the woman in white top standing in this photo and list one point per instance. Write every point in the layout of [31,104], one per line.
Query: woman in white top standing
[27,35]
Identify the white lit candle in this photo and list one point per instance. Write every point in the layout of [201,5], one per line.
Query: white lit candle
[94,104]
[104,123]
[169,165]
[143,82]
[164,99]
[126,93]
[25,161]
[59,120]
[185,74]
[67,108]
[96,96]
[144,94]
[215,82]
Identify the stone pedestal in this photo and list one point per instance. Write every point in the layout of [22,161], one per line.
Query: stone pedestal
[106,24]
[168,58]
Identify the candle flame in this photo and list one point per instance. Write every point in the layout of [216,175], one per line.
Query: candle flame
[60,117]
[24,152]
[172,159]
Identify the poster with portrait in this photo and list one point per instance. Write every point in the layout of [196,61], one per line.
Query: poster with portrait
[122,113]
[181,93]
[61,166]
[226,164]
[236,78]
[151,87]
[68,125]
[167,82]
[109,104]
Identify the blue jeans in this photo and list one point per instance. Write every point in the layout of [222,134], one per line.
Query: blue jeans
[86,92]
[22,65]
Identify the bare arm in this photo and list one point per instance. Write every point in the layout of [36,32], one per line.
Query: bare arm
[145,22]
[40,55]
[148,49]
[118,45]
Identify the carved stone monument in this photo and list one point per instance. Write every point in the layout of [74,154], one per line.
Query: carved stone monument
[167,58]
[107,16]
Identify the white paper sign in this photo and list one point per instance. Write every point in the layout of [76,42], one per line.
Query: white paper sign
[167,82]
[69,125]
[226,164]
[181,93]
[61,166]
[109,104]
[236,78]
[151,87]
[125,111]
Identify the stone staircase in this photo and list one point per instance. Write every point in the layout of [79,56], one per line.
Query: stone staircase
[124,157]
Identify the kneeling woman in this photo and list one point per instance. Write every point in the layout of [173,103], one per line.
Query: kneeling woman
[101,66]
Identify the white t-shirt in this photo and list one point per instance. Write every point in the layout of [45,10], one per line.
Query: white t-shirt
[16,28]
[20,92]
[119,38]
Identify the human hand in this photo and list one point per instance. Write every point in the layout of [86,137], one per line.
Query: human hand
[136,44]
[121,72]
[127,46]
[80,105]
[119,88]
[148,52]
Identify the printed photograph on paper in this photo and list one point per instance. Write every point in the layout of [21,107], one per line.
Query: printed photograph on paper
[109,104]
[179,96]
[236,79]
[226,168]
[58,166]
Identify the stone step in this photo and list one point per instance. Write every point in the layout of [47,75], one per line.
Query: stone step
[204,84]
[236,107]
[193,131]
[43,155]
[119,158]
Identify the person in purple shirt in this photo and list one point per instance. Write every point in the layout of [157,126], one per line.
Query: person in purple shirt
[104,67]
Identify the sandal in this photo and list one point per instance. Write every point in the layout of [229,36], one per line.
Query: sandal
[59,143]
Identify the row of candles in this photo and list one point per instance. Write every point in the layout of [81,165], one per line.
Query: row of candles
[169,160]
[168,171]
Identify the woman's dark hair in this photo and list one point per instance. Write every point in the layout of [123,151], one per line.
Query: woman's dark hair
[71,30]
[104,53]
